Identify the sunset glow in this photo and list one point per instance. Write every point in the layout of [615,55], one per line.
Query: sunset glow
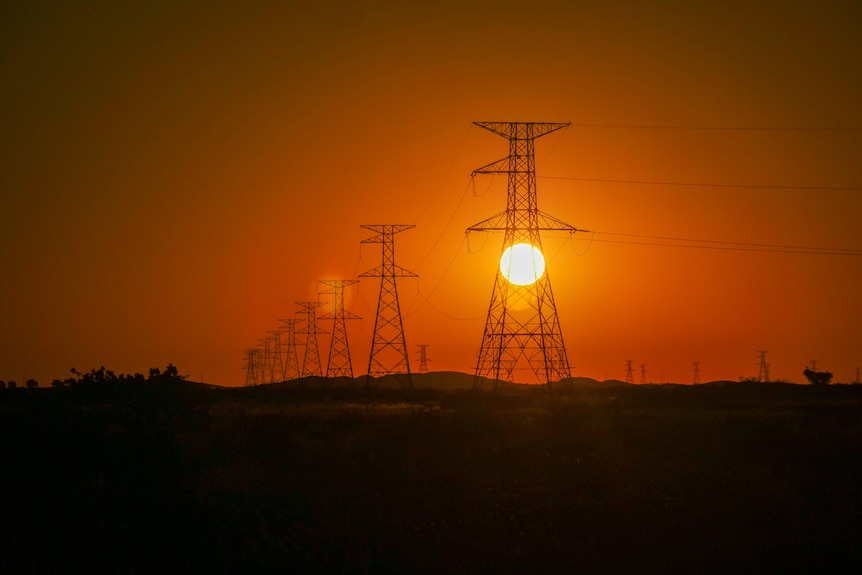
[522,264]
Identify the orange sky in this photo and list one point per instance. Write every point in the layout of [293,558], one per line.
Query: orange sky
[173,177]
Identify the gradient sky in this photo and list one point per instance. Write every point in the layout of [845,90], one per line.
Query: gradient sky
[175,175]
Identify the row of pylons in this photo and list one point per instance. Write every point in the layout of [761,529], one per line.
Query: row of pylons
[522,329]
[276,358]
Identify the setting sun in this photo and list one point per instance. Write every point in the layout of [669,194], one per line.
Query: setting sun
[522,264]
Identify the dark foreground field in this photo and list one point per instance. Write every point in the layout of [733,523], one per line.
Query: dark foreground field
[735,478]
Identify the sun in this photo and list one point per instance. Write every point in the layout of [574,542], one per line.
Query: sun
[522,264]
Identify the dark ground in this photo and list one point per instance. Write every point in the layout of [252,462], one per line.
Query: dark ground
[733,478]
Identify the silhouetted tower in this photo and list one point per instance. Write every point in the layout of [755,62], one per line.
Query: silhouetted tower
[423,358]
[388,345]
[339,364]
[643,373]
[522,323]
[311,360]
[265,360]
[251,366]
[291,358]
[276,359]
[630,377]
[763,373]
[696,378]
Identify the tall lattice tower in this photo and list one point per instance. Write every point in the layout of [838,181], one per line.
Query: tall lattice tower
[522,324]
[763,373]
[291,357]
[630,376]
[339,364]
[311,361]
[643,373]
[276,359]
[265,360]
[388,345]
[251,367]
[696,378]
[423,358]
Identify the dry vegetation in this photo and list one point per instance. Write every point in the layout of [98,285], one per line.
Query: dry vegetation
[715,478]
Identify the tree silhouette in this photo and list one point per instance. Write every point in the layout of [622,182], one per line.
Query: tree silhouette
[31,383]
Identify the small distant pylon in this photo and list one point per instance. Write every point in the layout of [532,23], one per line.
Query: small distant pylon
[265,362]
[311,361]
[291,358]
[630,376]
[423,358]
[251,367]
[276,360]
[339,364]
[388,345]
[763,372]
[643,373]
[696,378]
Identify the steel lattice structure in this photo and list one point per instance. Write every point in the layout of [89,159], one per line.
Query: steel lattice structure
[291,358]
[311,360]
[522,323]
[251,367]
[423,358]
[339,364]
[388,345]
[276,360]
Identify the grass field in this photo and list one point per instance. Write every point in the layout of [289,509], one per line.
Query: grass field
[717,478]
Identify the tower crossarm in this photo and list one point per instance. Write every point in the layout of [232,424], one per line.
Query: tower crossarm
[544,222]
[388,271]
[522,130]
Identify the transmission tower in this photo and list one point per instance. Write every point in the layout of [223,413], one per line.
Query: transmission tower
[251,367]
[276,356]
[291,358]
[423,358]
[630,377]
[388,345]
[339,364]
[643,373]
[265,363]
[522,323]
[311,360]
[763,373]
[696,378]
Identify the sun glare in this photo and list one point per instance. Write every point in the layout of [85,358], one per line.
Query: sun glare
[522,264]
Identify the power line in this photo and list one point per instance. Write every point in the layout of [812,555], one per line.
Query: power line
[702,184]
[719,128]
[726,245]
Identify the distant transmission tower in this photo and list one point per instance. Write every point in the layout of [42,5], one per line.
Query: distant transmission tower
[339,364]
[265,363]
[251,367]
[522,323]
[643,373]
[277,357]
[630,377]
[388,345]
[763,373]
[311,360]
[291,358]
[696,378]
[423,358]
